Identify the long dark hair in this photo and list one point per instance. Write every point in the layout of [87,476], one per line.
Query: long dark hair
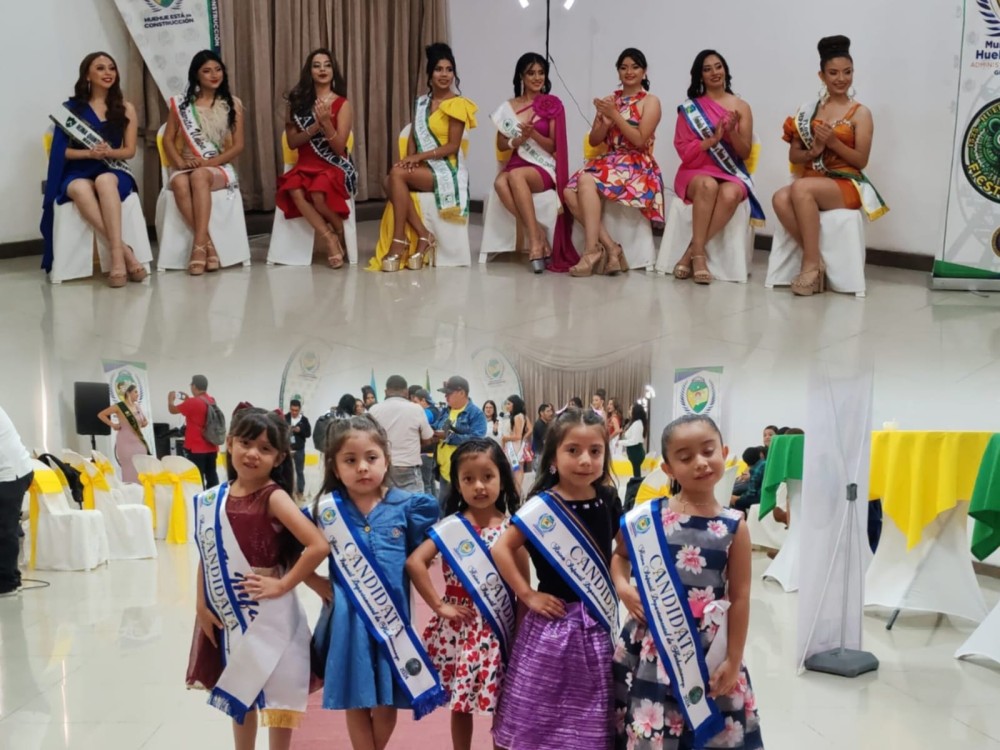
[437,52]
[223,93]
[639,59]
[248,424]
[116,116]
[697,87]
[496,414]
[345,406]
[336,436]
[302,97]
[517,407]
[524,62]
[638,414]
[546,477]
[509,498]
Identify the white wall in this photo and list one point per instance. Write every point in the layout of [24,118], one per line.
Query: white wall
[42,45]
[905,61]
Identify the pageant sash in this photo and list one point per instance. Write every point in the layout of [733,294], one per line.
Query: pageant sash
[508,124]
[669,619]
[567,545]
[194,134]
[322,148]
[451,181]
[871,202]
[133,423]
[264,647]
[728,162]
[80,131]
[384,618]
[470,558]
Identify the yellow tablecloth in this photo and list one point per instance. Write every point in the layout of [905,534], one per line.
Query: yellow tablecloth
[622,467]
[919,475]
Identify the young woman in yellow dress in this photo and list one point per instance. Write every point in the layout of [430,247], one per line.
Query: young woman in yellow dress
[433,163]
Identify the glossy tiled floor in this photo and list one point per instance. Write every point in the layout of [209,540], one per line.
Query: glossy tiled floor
[96,660]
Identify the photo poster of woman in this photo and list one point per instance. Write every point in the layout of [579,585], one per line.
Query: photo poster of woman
[136,429]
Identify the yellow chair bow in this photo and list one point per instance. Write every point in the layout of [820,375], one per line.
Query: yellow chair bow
[149,481]
[177,528]
[88,489]
[43,483]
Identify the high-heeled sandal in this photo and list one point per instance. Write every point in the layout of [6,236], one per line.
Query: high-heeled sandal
[196,266]
[593,261]
[617,262]
[117,279]
[681,271]
[540,262]
[704,276]
[212,263]
[810,282]
[136,272]
[335,251]
[426,257]
[391,262]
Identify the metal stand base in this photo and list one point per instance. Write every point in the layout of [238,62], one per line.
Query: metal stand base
[845,662]
[940,284]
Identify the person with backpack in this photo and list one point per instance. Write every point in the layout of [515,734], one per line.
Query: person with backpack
[343,410]
[204,427]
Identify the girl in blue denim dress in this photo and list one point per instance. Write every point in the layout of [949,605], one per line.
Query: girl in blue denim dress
[358,677]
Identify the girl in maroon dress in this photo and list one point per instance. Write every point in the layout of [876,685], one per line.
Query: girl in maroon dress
[318,125]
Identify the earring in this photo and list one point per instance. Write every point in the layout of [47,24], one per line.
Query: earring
[824,93]
[851,92]
[552,470]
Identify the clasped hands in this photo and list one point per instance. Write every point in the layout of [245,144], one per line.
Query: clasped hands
[101,151]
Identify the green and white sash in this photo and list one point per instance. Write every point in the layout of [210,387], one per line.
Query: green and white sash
[264,645]
[568,547]
[470,559]
[451,181]
[871,201]
[669,619]
[80,131]
[509,125]
[365,585]
[194,134]
[725,160]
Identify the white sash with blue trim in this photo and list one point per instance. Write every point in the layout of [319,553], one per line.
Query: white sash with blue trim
[726,161]
[264,645]
[470,558]
[199,143]
[80,131]
[568,547]
[364,583]
[669,619]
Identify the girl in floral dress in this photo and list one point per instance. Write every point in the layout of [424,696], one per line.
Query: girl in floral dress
[461,645]
[711,548]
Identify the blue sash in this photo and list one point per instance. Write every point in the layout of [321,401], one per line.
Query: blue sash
[470,559]
[669,619]
[370,595]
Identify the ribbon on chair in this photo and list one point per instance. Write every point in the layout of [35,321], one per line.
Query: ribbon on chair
[149,481]
[44,482]
[88,488]
[100,482]
[177,528]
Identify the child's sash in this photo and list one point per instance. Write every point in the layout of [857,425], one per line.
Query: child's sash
[507,123]
[668,616]
[264,645]
[697,120]
[80,131]
[568,546]
[470,558]
[451,181]
[871,202]
[322,148]
[199,143]
[365,585]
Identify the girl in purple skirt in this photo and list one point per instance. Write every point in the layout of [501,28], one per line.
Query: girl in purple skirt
[557,693]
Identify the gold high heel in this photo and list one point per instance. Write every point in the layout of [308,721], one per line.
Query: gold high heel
[136,273]
[212,260]
[616,260]
[428,257]
[703,276]
[592,262]
[810,282]
[196,266]
[391,262]
[334,251]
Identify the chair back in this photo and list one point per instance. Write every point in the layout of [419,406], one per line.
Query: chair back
[164,162]
[47,142]
[74,459]
[724,487]
[146,464]
[50,485]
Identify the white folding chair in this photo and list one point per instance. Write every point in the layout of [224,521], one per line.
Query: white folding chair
[841,245]
[292,240]
[185,474]
[227,226]
[127,492]
[129,527]
[73,239]
[60,537]
[158,492]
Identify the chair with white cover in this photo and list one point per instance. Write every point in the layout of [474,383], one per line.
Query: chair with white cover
[128,492]
[841,245]
[73,239]
[158,492]
[60,537]
[129,527]
[292,240]
[785,567]
[186,480]
[227,226]
[724,487]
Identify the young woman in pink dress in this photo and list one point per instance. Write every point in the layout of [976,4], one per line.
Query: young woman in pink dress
[713,191]
[626,172]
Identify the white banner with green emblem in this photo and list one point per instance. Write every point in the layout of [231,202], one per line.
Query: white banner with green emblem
[971,254]
[698,390]
[168,33]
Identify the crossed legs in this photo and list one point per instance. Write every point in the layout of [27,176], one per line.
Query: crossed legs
[515,188]
[798,206]
[713,203]
[398,184]
[193,193]
[101,207]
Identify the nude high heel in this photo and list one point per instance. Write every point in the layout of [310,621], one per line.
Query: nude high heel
[616,260]
[810,282]
[593,261]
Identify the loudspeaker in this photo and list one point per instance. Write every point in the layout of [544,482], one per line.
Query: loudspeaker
[89,399]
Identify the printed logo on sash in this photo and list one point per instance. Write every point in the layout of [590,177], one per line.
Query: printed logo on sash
[451,181]
[81,132]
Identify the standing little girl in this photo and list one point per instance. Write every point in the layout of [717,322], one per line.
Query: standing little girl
[473,626]
[251,646]
[375,663]
[558,691]
[691,560]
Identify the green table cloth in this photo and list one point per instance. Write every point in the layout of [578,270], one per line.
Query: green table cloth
[784,461]
[985,503]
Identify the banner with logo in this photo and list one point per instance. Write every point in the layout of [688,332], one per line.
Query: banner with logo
[120,376]
[303,373]
[972,232]
[168,33]
[698,390]
[493,376]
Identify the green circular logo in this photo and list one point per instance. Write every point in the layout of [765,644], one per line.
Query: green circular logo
[695,696]
[981,152]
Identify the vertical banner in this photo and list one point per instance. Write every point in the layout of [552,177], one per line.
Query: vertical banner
[698,390]
[120,376]
[493,377]
[168,33]
[972,230]
[303,373]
